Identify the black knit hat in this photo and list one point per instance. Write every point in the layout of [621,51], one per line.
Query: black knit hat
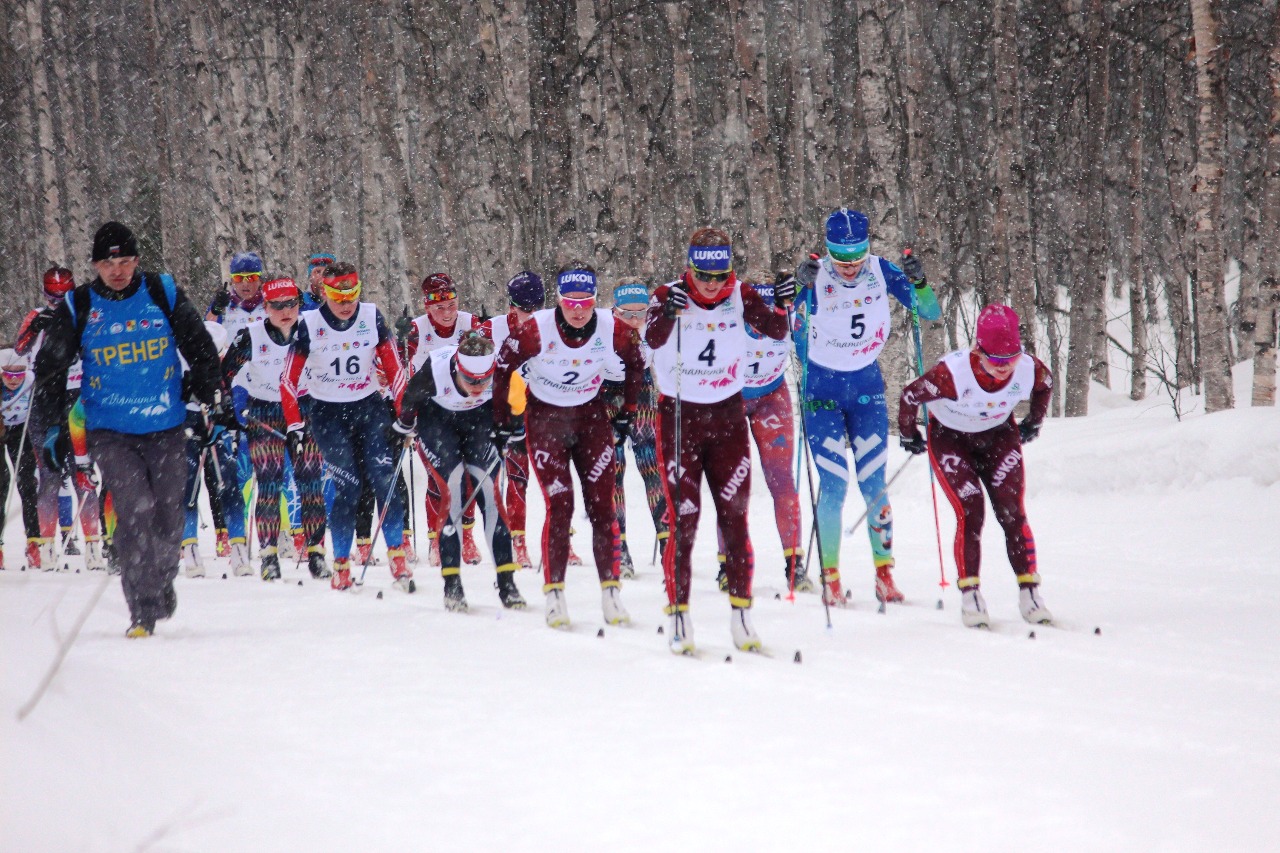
[114,240]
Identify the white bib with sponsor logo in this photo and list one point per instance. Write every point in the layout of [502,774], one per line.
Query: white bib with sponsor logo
[429,340]
[447,394]
[850,323]
[974,409]
[564,375]
[261,374]
[713,344]
[340,365]
[766,360]
[236,318]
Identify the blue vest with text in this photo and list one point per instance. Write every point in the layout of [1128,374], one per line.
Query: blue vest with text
[132,375]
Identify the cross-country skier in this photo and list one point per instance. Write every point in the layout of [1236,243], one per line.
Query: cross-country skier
[130,328]
[441,326]
[768,405]
[70,459]
[15,405]
[258,355]
[339,343]
[699,367]
[449,402]
[630,307]
[975,442]
[563,353]
[526,294]
[316,265]
[845,321]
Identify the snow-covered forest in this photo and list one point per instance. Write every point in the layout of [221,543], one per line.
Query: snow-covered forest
[1041,153]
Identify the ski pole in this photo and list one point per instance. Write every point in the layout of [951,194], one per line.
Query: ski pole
[63,649]
[808,460]
[386,504]
[13,481]
[673,592]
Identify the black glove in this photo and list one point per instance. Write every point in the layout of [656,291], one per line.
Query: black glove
[914,443]
[807,272]
[199,428]
[912,268]
[225,417]
[57,447]
[294,439]
[1028,431]
[40,321]
[406,430]
[404,325]
[677,300]
[508,433]
[622,426]
[784,291]
[220,302]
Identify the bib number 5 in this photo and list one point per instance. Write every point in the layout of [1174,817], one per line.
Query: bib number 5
[858,327]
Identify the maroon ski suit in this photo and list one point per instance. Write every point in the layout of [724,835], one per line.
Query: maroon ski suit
[967,461]
[560,435]
[714,440]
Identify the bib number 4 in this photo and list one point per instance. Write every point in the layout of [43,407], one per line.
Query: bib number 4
[708,354]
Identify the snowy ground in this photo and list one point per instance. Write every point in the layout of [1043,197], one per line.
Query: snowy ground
[286,718]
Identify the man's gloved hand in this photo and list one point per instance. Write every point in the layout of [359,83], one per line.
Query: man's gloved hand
[622,425]
[404,325]
[294,440]
[56,448]
[506,434]
[1028,431]
[86,476]
[784,291]
[913,443]
[676,301]
[912,268]
[41,321]
[220,302]
[225,417]
[404,429]
[807,272]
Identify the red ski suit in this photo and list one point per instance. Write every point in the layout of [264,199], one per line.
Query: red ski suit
[561,435]
[714,437]
[967,461]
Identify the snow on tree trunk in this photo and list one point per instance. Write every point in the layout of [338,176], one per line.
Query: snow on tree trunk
[55,248]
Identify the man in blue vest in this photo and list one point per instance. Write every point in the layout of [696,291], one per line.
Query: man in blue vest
[130,328]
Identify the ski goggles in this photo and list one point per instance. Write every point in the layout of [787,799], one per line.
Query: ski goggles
[475,369]
[1000,359]
[321,261]
[712,277]
[848,254]
[239,277]
[440,296]
[283,304]
[14,371]
[344,289]
[584,302]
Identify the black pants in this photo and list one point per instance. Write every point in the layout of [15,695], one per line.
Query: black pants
[17,443]
[145,474]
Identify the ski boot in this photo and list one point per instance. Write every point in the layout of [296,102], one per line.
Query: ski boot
[299,543]
[557,609]
[797,577]
[680,630]
[470,553]
[33,554]
[140,629]
[401,574]
[270,569]
[455,597]
[1032,606]
[341,577]
[410,553]
[574,559]
[316,564]
[744,633]
[973,609]
[93,559]
[433,551]
[223,546]
[886,589]
[626,568]
[285,548]
[69,547]
[832,594]
[48,557]
[614,612]
[240,560]
[508,592]
[722,575]
[364,552]
[520,552]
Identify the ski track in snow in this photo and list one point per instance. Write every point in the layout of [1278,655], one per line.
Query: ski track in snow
[279,717]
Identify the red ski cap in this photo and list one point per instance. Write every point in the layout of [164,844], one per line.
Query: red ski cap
[998,335]
[279,289]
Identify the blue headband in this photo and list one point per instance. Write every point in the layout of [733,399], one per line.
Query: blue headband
[576,281]
[631,294]
[712,259]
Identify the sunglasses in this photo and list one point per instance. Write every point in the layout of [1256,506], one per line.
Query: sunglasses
[239,277]
[848,265]
[14,373]
[588,302]
[712,277]
[283,304]
[999,359]
[441,297]
[629,314]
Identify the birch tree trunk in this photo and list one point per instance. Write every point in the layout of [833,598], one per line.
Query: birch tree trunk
[55,247]
[208,93]
[1214,350]
[1137,271]
[1264,340]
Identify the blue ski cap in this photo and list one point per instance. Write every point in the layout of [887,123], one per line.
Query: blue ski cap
[526,291]
[847,235]
[631,293]
[244,262]
[712,259]
[765,290]
[576,281]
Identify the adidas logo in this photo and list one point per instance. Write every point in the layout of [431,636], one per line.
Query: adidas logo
[556,488]
[688,507]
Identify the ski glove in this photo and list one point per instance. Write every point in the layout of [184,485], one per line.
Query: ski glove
[407,430]
[220,302]
[806,273]
[225,417]
[86,477]
[57,447]
[912,268]
[677,300]
[1028,431]
[914,443]
[295,438]
[784,292]
[622,426]
[505,434]
[404,325]
[40,322]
